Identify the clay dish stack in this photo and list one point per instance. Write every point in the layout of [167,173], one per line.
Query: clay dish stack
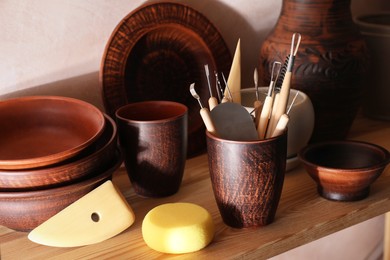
[53,151]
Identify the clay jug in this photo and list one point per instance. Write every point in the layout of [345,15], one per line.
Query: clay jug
[330,64]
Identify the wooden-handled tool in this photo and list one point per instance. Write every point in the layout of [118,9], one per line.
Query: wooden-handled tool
[213,102]
[268,102]
[257,105]
[283,120]
[204,112]
[281,104]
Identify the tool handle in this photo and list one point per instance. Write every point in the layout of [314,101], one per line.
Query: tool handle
[273,121]
[225,99]
[281,106]
[264,117]
[258,106]
[281,126]
[206,117]
[213,102]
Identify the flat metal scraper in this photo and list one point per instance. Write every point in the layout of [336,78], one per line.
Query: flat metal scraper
[233,122]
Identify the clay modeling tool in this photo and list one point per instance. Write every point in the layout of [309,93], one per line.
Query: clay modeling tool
[284,119]
[234,79]
[257,105]
[97,216]
[213,102]
[227,89]
[268,102]
[233,122]
[218,86]
[204,112]
[275,98]
[281,104]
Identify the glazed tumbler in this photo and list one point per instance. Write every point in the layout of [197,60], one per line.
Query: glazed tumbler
[247,178]
[153,139]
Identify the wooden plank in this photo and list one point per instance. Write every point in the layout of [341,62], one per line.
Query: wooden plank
[302,215]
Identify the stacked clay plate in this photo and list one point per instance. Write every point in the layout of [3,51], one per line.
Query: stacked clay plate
[53,151]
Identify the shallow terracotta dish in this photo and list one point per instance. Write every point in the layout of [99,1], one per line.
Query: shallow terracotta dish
[97,156]
[344,170]
[155,53]
[42,130]
[25,210]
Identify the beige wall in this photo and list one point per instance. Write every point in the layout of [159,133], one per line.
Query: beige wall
[55,47]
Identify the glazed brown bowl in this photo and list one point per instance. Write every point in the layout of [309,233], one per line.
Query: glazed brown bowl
[25,210]
[97,156]
[42,130]
[344,170]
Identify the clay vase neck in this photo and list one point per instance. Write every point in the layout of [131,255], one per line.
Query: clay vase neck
[318,20]
[330,62]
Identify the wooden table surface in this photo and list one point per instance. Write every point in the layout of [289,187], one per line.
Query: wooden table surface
[302,215]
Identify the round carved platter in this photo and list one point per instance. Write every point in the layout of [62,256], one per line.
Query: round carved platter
[155,53]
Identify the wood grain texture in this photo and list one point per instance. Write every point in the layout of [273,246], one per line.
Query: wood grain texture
[302,215]
[330,64]
[155,53]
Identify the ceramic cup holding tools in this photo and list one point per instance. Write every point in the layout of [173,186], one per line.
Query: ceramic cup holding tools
[247,178]
[153,138]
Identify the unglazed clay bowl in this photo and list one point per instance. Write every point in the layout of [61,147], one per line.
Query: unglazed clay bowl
[344,170]
[25,210]
[98,155]
[37,131]
[301,123]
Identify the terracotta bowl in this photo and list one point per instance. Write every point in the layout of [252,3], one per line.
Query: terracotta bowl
[25,210]
[42,130]
[97,156]
[344,170]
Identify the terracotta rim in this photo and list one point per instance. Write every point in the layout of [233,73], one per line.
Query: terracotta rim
[59,172]
[383,151]
[45,160]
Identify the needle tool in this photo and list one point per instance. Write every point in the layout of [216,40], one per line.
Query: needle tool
[213,102]
[204,112]
[283,121]
[282,100]
[268,102]
[230,98]
[218,86]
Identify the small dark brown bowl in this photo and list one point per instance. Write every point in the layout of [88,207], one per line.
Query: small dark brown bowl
[344,170]
[43,130]
[25,210]
[97,156]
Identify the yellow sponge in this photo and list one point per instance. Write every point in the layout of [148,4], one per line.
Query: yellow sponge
[178,228]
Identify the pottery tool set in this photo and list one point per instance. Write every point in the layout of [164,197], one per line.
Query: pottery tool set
[228,119]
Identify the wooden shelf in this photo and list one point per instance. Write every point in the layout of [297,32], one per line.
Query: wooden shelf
[302,215]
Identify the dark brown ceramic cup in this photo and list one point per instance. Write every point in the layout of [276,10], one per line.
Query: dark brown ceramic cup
[153,138]
[247,178]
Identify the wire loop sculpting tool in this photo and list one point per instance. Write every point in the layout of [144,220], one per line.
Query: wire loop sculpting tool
[281,104]
[268,102]
[284,119]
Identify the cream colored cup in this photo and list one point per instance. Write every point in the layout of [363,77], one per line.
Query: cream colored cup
[301,123]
